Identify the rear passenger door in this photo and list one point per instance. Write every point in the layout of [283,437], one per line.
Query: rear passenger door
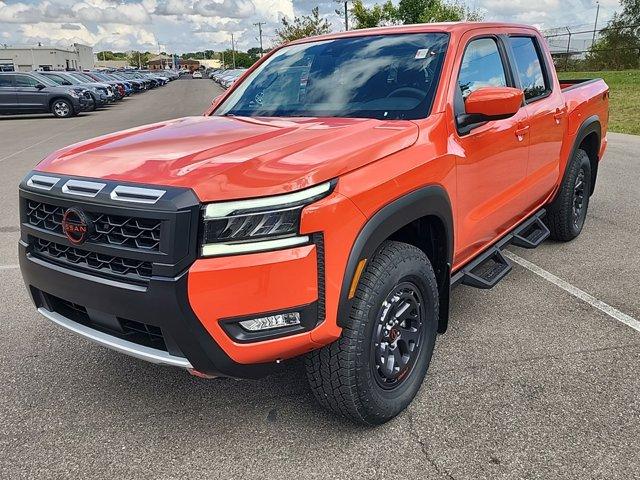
[8,95]
[544,104]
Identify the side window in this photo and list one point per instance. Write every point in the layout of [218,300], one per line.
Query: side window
[529,66]
[6,80]
[481,66]
[25,81]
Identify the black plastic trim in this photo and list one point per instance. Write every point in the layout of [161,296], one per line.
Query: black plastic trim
[590,125]
[428,200]
[178,209]
[163,303]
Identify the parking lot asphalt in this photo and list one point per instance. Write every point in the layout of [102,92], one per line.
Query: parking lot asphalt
[529,382]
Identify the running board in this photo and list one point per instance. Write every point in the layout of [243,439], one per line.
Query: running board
[491,266]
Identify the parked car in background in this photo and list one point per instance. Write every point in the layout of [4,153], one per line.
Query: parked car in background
[101,93]
[117,87]
[35,93]
[196,74]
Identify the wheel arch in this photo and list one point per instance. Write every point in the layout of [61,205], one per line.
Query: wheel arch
[588,138]
[422,218]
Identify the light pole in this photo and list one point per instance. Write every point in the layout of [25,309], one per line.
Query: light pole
[346,12]
[595,25]
[233,51]
[259,25]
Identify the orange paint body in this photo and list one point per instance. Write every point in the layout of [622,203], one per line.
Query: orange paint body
[495,176]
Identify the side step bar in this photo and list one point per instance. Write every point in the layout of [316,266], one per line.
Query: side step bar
[491,266]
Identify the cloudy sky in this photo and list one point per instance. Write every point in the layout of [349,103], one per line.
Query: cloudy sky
[190,25]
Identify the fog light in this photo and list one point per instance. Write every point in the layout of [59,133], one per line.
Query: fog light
[272,321]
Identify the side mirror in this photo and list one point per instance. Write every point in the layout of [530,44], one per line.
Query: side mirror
[490,103]
[40,86]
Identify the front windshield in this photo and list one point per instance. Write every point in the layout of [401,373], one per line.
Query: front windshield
[70,79]
[44,80]
[82,77]
[377,76]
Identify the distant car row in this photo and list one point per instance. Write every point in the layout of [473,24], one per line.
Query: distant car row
[226,78]
[67,93]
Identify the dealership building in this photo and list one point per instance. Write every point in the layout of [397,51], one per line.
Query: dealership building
[39,57]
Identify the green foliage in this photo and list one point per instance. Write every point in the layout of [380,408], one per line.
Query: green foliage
[412,11]
[618,45]
[243,59]
[207,54]
[132,58]
[302,27]
[375,16]
[109,55]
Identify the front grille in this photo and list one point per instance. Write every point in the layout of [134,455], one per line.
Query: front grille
[130,232]
[135,234]
[131,330]
[95,262]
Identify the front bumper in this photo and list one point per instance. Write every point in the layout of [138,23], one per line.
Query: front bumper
[184,305]
[98,308]
[84,103]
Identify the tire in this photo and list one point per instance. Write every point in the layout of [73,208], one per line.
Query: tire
[567,213]
[62,108]
[347,377]
[95,103]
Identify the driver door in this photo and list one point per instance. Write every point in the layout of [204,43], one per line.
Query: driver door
[492,156]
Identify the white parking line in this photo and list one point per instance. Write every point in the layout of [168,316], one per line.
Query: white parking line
[9,267]
[575,291]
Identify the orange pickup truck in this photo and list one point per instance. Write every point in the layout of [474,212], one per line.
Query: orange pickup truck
[323,208]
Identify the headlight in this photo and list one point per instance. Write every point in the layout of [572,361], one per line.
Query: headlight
[259,224]
[75,93]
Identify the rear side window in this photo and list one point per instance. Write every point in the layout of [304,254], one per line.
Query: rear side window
[481,66]
[6,81]
[529,66]
[25,81]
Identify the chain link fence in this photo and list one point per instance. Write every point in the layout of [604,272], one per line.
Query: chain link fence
[579,48]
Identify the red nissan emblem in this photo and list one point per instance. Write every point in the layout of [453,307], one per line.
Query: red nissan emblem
[76,225]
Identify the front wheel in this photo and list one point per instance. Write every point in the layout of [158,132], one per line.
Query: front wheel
[376,368]
[62,108]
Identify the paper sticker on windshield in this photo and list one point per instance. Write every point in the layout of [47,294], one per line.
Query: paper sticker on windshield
[422,53]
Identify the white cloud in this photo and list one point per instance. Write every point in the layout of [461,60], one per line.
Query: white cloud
[188,25]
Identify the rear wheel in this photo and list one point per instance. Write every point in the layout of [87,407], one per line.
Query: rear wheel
[376,368]
[62,108]
[567,213]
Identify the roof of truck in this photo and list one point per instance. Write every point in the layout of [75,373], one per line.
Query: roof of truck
[416,28]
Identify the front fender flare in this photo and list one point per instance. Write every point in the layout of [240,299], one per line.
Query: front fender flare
[431,200]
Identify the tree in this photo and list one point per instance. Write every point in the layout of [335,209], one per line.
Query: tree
[243,59]
[376,16]
[134,57]
[618,45]
[302,27]
[412,11]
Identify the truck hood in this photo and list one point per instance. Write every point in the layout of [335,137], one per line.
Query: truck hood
[234,157]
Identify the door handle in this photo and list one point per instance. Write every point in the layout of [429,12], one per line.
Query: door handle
[559,114]
[521,132]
